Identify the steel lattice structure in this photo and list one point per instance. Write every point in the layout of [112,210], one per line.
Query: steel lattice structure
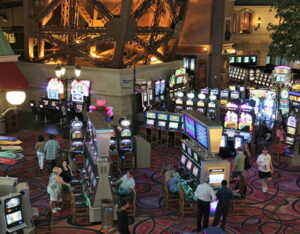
[104,33]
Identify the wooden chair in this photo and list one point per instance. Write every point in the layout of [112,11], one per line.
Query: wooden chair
[154,135]
[115,159]
[164,137]
[79,161]
[44,223]
[186,207]
[177,139]
[168,197]
[143,131]
[129,160]
[131,211]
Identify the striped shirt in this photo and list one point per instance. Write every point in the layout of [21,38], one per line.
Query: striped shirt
[51,148]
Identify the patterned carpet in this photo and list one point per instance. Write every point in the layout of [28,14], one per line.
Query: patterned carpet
[277,211]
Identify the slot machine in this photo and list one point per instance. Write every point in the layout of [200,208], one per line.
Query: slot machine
[284,102]
[157,90]
[257,109]
[231,117]
[113,141]
[214,92]
[162,90]
[126,140]
[189,104]
[179,102]
[150,120]
[212,108]
[234,95]
[77,137]
[224,141]
[202,103]
[242,91]
[174,123]
[269,107]
[291,127]
[162,120]
[224,95]
[238,141]
[246,118]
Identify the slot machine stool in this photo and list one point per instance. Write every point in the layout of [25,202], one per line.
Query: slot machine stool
[143,132]
[79,162]
[129,160]
[115,159]
[44,223]
[185,206]
[164,137]
[168,197]
[177,139]
[131,211]
[154,136]
[80,212]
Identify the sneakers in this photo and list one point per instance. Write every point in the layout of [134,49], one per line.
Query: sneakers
[57,208]
[264,189]
[54,211]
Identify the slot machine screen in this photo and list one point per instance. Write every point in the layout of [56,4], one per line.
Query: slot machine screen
[189,125]
[201,135]
[157,88]
[214,92]
[189,165]
[12,202]
[150,122]
[173,125]
[189,103]
[126,133]
[162,116]
[232,88]
[200,104]
[45,102]
[291,131]
[174,118]
[216,178]
[77,135]
[150,115]
[179,79]
[234,95]
[223,142]
[183,159]
[183,146]
[162,124]
[189,151]
[196,171]
[179,101]
[162,87]
[292,122]
[212,105]
[242,89]
[238,142]
[14,219]
[290,140]
[195,156]
[224,94]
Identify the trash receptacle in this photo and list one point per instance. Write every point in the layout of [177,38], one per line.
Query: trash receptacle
[107,213]
[2,126]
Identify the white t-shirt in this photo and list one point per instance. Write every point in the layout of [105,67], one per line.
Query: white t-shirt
[264,162]
[127,183]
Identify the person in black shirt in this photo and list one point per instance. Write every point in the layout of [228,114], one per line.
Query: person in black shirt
[66,172]
[123,217]
[225,196]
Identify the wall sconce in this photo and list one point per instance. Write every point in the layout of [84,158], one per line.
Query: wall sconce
[258,23]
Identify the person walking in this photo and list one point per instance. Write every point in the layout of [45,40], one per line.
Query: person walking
[238,163]
[40,152]
[123,217]
[265,168]
[224,196]
[205,194]
[51,149]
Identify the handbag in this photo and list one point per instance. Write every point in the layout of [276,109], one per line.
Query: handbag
[247,163]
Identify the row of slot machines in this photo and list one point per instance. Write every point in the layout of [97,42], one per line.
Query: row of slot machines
[258,78]
[163,120]
[121,140]
[237,74]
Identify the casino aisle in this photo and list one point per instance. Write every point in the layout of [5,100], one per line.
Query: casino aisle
[280,204]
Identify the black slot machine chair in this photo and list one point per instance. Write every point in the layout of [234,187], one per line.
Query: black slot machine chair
[164,137]
[143,131]
[177,139]
[154,135]
[129,160]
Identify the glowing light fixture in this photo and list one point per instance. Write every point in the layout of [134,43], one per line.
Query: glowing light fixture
[15,97]
[77,71]
[190,95]
[125,122]
[180,94]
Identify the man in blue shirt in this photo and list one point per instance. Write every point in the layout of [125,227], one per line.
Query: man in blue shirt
[224,196]
[174,182]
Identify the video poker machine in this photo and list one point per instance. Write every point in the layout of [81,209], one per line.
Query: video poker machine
[77,137]
[150,119]
[174,123]
[224,96]
[162,120]
[15,208]
[202,103]
[125,141]
[212,108]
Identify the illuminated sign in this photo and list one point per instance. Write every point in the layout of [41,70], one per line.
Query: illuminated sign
[80,89]
[54,88]
[293,96]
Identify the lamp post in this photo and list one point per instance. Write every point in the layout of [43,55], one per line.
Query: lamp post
[60,72]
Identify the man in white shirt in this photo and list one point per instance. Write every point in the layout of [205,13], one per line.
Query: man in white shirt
[265,168]
[127,184]
[205,194]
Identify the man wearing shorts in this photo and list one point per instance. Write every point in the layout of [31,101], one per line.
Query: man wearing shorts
[265,168]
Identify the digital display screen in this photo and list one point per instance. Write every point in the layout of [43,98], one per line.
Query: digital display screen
[290,140]
[162,116]
[216,178]
[77,135]
[126,133]
[179,79]
[200,104]
[234,95]
[12,202]
[173,125]
[14,219]
[189,165]
[291,131]
[174,118]
[179,101]
[183,146]
[189,126]
[151,115]
[195,171]
[183,159]
[150,122]
[214,92]
[195,156]
[52,94]
[238,142]
[201,135]
[224,94]
[161,123]
[189,103]
[189,151]
[212,105]
[292,121]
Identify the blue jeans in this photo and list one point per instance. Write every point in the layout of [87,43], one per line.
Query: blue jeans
[123,191]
